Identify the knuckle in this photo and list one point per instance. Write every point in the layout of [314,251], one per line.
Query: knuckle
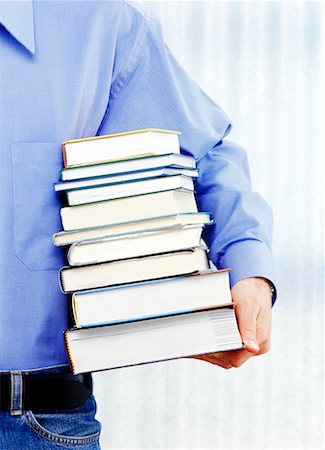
[265,347]
[237,364]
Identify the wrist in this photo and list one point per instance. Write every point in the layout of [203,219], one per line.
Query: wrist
[270,287]
[256,286]
[270,284]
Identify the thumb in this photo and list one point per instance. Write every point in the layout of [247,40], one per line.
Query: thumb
[247,327]
[251,345]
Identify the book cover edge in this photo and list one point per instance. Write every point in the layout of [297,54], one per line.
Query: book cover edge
[125,133]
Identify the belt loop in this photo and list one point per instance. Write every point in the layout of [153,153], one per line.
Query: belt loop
[16,393]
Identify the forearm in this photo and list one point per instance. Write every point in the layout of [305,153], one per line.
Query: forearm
[241,237]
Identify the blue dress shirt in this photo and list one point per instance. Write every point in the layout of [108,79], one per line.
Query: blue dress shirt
[77,69]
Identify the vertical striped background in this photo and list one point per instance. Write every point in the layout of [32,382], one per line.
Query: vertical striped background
[261,61]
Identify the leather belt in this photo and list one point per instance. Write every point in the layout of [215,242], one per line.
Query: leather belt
[48,392]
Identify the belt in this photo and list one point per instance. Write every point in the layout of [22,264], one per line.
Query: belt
[48,392]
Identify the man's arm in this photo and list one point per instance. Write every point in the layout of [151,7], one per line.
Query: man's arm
[241,240]
[241,237]
[151,89]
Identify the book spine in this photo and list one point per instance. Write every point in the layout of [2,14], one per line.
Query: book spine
[61,280]
[74,305]
[64,153]
[68,352]
[69,253]
[54,239]
[62,171]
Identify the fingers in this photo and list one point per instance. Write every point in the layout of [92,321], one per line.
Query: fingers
[234,358]
[226,360]
[230,359]
[253,312]
[213,359]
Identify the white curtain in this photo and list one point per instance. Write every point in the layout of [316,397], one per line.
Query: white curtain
[261,61]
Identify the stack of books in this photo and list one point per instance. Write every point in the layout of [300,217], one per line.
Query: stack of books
[139,277]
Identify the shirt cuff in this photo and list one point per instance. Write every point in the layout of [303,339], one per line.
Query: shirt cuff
[249,259]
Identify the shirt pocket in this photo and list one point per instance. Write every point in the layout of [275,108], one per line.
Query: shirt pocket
[36,206]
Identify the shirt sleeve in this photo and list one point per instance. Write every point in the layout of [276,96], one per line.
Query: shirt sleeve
[151,90]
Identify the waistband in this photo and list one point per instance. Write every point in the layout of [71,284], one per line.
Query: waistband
[43,392]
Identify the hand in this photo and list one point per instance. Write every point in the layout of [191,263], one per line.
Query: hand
[253,300]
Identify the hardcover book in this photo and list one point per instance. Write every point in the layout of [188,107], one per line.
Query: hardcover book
[119,146]
[127,209]
[151,298]
[133,269]
[151,340]
[65,238]
[129,188]
[129,166]
[123,177]
[132,245]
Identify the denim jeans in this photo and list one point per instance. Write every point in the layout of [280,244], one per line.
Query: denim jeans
[64,430]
